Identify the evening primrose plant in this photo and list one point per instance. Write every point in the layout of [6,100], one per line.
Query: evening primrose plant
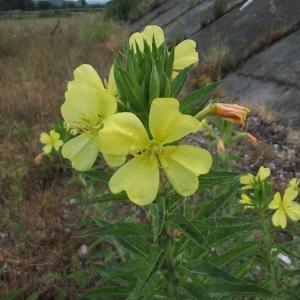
[189,237]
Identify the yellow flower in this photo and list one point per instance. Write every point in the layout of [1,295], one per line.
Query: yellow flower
[124,133]
[185,53]
[285,207]
[51,140]
[248,180]
[246,201]
[111,83]
[294,184]
[87,104]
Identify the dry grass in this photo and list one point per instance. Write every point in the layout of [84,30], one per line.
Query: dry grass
[37,58]
[213,66]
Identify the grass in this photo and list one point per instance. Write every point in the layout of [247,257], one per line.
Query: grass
[37,58]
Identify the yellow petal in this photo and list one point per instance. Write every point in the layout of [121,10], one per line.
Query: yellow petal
[86,105]
[245,199]
[279,218]
[183,164]
[47,149]
[167,123]
[246,187]
[247,179]
[293,211]
[57,144]
[174,74]
[82,151]
[153,32]
[289,195]
[54,135]
[185,54]
[45,138]
[276,202]
[263,173]
[136,39]
[121,134]
[114,160]
[88,75]
[111,86]
[294,183]
[139,178]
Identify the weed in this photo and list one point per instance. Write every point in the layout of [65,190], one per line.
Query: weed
[220,7]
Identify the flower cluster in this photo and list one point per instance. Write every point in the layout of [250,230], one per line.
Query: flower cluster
[91,108]
[134,119]
[257,194]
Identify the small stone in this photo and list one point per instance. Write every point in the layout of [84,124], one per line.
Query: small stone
[275,146]
[83,250]
[3,235]
[71,202]
[272,166]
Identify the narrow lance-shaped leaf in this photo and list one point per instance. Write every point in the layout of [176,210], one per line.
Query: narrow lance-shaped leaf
[196,101]
[154,86]
[157,210]
[179,81]
[153,264]
[214,204]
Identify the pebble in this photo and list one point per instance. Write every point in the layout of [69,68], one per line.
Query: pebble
[83,250]
[71,202]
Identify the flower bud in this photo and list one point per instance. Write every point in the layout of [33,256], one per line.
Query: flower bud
[38,160]
[251,138]
[220,146]
[231,112]
[154,86]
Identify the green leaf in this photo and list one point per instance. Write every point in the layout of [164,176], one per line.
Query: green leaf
[214,204]
[125,271]
[209,270]
[157,210]
[113,292]
[197,100]
[12,295]
[110,197]
[154,85]
[132,236]
[135,244]
[179,81]
[118,229]
[238,289]
[189,230]
[152,265]
[233,255]
[98,174]
[194,291]
[34,296]
[214,178]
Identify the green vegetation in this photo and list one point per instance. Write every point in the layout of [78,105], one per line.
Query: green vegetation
[220,7]
[129,10]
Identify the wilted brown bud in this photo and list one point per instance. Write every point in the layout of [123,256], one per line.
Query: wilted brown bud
[38,160]
[251,138]
[231,112]
[220,146]
[174,233]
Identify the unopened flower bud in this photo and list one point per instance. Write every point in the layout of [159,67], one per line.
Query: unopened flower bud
[38,160]
[220,146]
[231,112]
[251,138]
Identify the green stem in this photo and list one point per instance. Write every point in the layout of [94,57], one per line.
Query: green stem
[267,245]
[208,110]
